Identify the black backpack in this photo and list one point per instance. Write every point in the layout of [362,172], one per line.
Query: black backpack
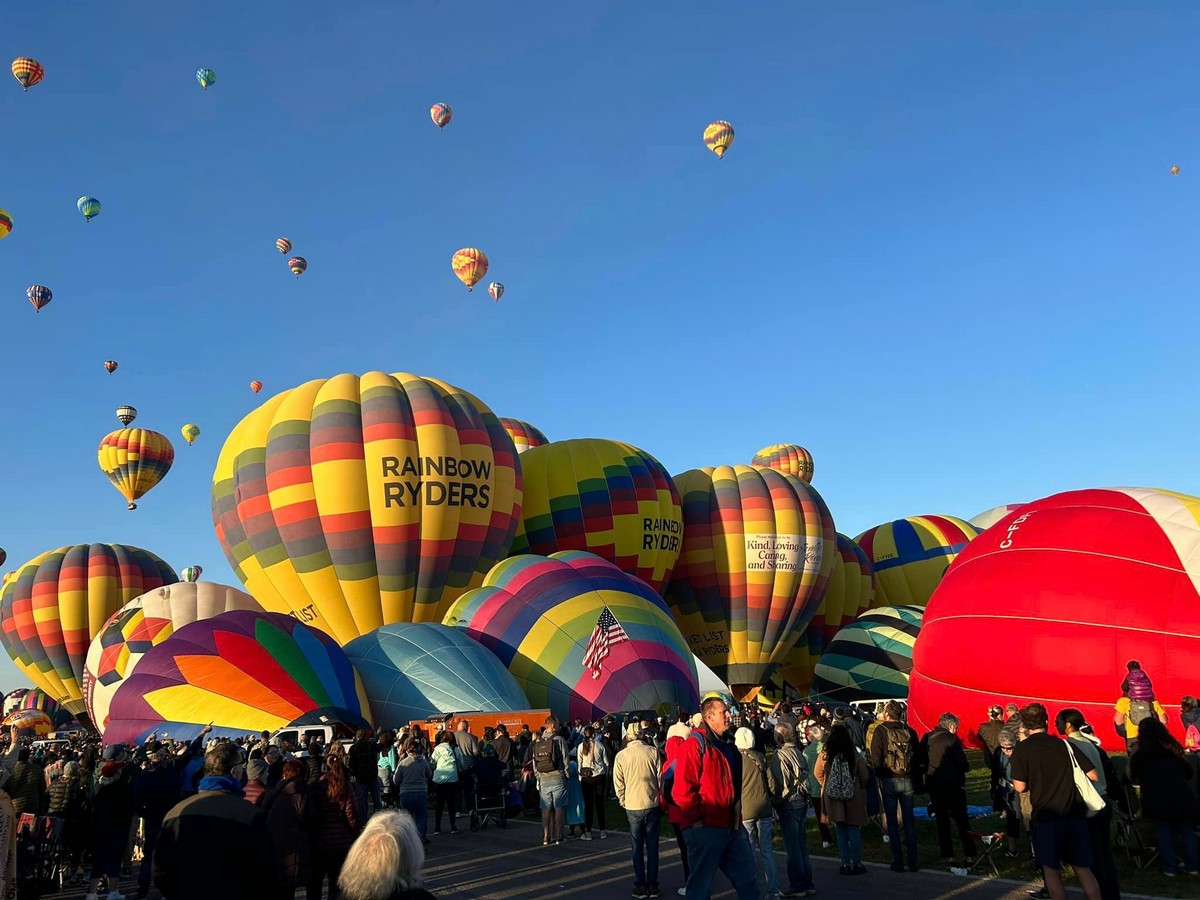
[547,757]
[898,751]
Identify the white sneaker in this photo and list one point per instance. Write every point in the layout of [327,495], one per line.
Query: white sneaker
[603,835]
[682,892]
[586,836]
[825,845]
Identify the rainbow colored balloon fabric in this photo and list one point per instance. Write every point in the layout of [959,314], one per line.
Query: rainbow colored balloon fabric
[911,555]
[243,671]
[524,435]
[57,602]
[790,458]
[539,614]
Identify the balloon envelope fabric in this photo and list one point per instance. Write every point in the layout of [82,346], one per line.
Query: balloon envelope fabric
[606,497]
[146,622]
[911,555]
[1050,603]
[871,658]
[243,671]
[354,502]
[31,721]
[39,699]
[790,458]
[413,671]
[758,551]
[524,435]
[57,602]
[12,700]
[990,517]
[539,614]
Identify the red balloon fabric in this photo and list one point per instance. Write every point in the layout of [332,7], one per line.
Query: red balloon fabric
[1050,603]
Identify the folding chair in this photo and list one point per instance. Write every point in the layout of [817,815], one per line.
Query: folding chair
[1134,834]
[991,842]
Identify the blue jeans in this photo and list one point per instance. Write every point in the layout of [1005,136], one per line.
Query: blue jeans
[898,792]
[792,819]
[417,806]
[760,831]
[710,849]
[1167,833]
[849,839]
[643,834]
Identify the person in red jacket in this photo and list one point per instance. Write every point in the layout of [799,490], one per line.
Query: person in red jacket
[707,788]
[677,734]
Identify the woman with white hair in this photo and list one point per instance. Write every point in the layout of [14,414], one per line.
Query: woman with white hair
[758,786]
[385,861]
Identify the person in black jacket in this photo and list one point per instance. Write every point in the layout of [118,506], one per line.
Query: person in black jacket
[1158,765]
[284,809]
[155,790]
[215,844]
[112,814]
[946,768]
[363,760]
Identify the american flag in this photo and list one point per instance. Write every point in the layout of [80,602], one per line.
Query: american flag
[608,631]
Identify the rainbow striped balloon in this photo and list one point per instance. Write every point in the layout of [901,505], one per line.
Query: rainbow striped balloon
[538,615]
[911,555]
[606,497]
[871,658]
[358,501]
[135,460]
[53,605]
[524,436]
[758,551]
[39,699]
[790,458]
[6,224]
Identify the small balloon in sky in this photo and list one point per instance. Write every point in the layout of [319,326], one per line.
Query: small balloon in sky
[470,265]
[27,71]
[205,77]
[192,574]
[256,386]
[89,206]
[39,295]
[135,460]
[1174,170]
[6,224]
[718,137]
[496,289]
[297,264]
[441,114]
[110,366]
[190,432]
[126,414]
[283,245]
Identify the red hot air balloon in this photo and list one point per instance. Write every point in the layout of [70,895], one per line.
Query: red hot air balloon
[256,386]
[110,366]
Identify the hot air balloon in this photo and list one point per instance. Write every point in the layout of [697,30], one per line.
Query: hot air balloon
[243,671]
[126,414]
[205,77]
[990,517]
[758,551]
[524,435]
[283,245]
[606,497]
[911,555]
[30,722]
[56,603]
[851,591]
[192,574]
[27,71]
[790,458]
[43,702]
[496,289]
[298,265]
[89,206]
[565,600]
[110,366]
[871,658]
[12,701]
[718,137]
[412,671]
[6,224]
[441,114]
[1051,602]
[39,295]
[135,460]
[359,501]
[144,622]
[470,265]
[3,556]
[256,386]
[1174,170]
[190,432]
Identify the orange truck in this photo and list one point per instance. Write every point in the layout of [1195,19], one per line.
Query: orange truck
[480,719]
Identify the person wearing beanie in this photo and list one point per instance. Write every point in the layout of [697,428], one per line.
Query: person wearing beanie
[679,730]
[1137,703]
[256,781]
[758,786]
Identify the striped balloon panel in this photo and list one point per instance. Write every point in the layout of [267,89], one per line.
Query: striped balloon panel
[357,502]
[537,615]
[135,460]
[57,602]
[790,458]
[243,671]
[871,658]
[606,497]
[524,435]
[6,224]
[12,700]
[27,71]
[910,556]
[758,551]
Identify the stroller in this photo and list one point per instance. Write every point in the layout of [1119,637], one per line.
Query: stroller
[490,794]
[41,856]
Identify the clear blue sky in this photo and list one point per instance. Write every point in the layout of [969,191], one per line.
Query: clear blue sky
[945,252]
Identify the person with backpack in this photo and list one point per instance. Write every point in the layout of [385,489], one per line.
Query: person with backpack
[1071,724]
[1189,708]
[892,755]
[638,781]
[844,778]
[549,757]
[1137,704]
[790,798]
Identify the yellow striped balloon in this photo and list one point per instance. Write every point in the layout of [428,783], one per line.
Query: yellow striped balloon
[190,432]
[358,501]
[470,265]
[911,555]
[718,137]
[27,71]
[790,458]
[135,460]
[6,224]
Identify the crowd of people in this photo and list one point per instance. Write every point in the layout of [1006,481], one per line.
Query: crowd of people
[260,817]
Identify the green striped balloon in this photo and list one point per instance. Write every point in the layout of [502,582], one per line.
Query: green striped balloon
[871,658]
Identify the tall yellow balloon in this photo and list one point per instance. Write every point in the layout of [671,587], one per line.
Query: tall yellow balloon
[135,460]
[358,501]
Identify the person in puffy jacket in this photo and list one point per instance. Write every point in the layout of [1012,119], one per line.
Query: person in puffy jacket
[155,790]
[676,735]
[331,814]
[758,786]
[283,807]
[707,788]
[447,762]
[256,781]
[27,785]
[791,802]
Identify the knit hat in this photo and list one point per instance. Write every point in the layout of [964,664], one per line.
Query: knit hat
[680,730]
[256,770]
[743,739]
[112,751]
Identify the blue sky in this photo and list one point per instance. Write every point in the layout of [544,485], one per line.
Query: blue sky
[945,252]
